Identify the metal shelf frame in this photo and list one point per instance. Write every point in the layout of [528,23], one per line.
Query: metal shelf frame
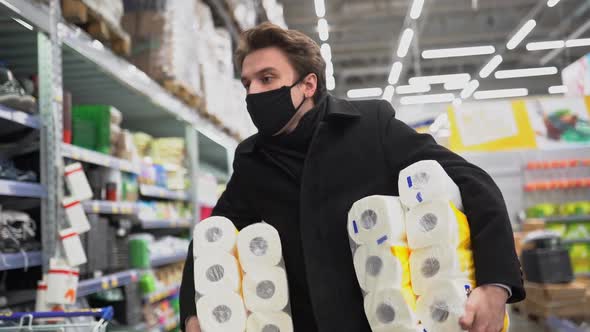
[20,260]
[95,285]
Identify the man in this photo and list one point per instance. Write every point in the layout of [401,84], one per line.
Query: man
[313,157]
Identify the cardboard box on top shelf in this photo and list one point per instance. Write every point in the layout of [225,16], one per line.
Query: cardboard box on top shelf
[533,225]
[561,300]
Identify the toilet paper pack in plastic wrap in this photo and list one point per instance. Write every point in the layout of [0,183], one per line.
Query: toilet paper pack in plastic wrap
[264,287]
[376,228]
[217,276]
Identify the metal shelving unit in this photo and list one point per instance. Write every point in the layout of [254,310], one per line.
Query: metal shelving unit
[158,296]
[20,260]
[157,224]
[96,158]
[21,118]
[22,189]
[158,192]
[165,260]
[95,285]
[108,207]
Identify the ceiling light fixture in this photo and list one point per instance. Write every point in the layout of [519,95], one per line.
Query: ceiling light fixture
[330,83]
[326,52]
[323,29]
[545,45]
[578,42]
[557,89]
[329,69]
[416,10]
[404,43]
[409,89]
[504,93]
[552,3]
[394,74]
[455,85]
[458,52]
[526,72]
[364,93]
[491,66]
[521,34]
[320,8]
[439,79]
[428,99]
[457,102]
[470,89]
[388,93]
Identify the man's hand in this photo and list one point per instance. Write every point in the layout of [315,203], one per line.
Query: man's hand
[485,309]
[192,324]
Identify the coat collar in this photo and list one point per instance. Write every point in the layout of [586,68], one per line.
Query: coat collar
[337,109]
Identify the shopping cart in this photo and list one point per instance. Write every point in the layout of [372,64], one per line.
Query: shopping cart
[26,320]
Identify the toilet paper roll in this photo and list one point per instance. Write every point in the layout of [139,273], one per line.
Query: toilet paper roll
[216,270]
[221,311]
[378,268]
[214,232]
[266,289]
[437,223]
[377,219]
[259,245]
[432,264]
[442,306]
[390,309]
[269,322]
[425,181]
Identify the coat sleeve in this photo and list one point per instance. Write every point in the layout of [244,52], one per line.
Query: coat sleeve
[231,205]
[492,240]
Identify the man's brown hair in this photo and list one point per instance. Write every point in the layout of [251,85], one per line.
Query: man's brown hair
[303,53]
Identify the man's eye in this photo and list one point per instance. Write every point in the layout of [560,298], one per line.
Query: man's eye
[266,80]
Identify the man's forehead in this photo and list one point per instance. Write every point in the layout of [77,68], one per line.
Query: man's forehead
[265,68]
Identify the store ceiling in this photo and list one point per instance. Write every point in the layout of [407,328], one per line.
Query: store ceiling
[363,35]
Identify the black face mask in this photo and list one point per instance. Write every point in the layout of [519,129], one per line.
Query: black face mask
[271,110]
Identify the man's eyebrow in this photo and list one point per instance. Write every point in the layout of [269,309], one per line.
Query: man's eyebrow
[261,71]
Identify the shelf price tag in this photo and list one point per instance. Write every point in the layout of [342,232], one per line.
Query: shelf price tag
[105,283]
[95,207]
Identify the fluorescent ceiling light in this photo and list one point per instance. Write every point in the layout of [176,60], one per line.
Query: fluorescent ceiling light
[329,69]
[458,52]
[428,99]
[388,93]
[456,102]
[545,45]
[552,3]
[578,42]
[470,89]
[521,34]
[364,93]
[320,8]
[505,93]
[404,43]
[394,74]
[326,52]
[416,9]
[323,29]
[490,66]
[455,85]
[23,23]
[526,72]
[330,83]
[558,89]
[439,79]
[409,89]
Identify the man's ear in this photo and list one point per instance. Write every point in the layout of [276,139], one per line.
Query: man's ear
[310,84]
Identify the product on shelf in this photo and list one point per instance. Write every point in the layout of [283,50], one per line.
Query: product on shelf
[67,117]
[9,171]
[13,95]
[91,127]
[17,232]
[139,250]
[142,142]
[62,283]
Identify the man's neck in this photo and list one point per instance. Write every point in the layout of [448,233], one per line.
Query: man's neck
[307,106]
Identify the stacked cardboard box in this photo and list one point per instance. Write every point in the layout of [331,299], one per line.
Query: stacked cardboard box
[560,300]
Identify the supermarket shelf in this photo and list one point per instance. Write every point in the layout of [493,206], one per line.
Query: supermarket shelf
[171,324]
[21,189]
[12,298]
[154,224]
[565,220]
[96,158]
[108,207]
[33,12]
[161,295]
[157,192]
[574,241]
[91,286]
[583,274]
[19,260]
[22,118]
[165,260]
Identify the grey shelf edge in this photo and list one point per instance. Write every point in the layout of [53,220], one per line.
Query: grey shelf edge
[574,241]
[157,192]
[95,285]
[108,207]
[161,295]
[569,219]
[155,224]
[20,260]
[22,118]
[96,158]
[34,12]
[22,189]
[165,260]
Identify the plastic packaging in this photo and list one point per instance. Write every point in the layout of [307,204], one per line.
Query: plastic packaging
[77,182]
[76,216]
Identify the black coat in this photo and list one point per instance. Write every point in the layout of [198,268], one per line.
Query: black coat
[357,151]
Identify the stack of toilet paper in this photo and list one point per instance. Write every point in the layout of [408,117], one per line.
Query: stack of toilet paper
[264,287]
[376,228]
[217,276]
[441,261]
